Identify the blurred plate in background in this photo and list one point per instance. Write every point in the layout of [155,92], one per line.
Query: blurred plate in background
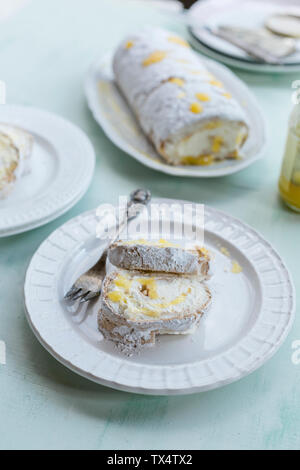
[61,168]
[248,14]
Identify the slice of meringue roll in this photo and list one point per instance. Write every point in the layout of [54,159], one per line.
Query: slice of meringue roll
[15,151]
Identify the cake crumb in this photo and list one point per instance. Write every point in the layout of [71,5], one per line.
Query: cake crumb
[236,268]
[224,251]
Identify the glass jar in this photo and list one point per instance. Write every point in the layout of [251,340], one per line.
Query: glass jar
[289,182]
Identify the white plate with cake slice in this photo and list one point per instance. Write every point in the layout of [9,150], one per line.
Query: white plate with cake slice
[57,162]
[252,309]
[117,120]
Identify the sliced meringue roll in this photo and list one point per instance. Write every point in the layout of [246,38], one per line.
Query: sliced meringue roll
[184,110]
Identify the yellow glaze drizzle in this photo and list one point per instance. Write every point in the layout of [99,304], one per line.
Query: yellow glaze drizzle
[216,83]
[178,40]
[202,97]
[177,81]
[182,61]
[196,108]
[129,44]
[154,57]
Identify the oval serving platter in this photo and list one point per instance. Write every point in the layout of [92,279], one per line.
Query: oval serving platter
[112,112]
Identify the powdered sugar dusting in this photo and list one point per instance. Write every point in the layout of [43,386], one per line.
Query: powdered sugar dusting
[153,94]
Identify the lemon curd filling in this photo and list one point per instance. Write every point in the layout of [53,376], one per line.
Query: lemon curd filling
[156,312]
[217,143]
[122,281]
[203,251]
[207,143]
[115,296]
[239,139]
[201,160]
[148,296]
[212,125]
[148,285]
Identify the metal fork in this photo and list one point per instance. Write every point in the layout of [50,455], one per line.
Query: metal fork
[88,285]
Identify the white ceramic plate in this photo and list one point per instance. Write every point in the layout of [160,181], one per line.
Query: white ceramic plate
[118,122]
[249,13]
[250,316]
[62,165]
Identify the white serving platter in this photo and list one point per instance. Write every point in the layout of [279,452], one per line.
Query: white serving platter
[62,165]
[112,112]
[250,317]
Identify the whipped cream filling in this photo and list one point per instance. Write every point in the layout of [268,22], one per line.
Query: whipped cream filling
[205,145]
[9,161]
[15,152]
[146,297]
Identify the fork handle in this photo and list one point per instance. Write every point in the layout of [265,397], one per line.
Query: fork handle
[138,201]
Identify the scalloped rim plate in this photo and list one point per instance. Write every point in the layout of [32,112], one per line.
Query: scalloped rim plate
[62,166]
[251,314]
[111,111]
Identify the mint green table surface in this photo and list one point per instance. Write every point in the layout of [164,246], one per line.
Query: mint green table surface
[44,53]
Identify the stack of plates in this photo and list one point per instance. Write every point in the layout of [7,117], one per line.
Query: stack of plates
[62,166]
[248,14]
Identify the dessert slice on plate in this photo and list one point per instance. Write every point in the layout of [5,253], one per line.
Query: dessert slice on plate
[136,306]
[159,256]
[15,151]
[156,289]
